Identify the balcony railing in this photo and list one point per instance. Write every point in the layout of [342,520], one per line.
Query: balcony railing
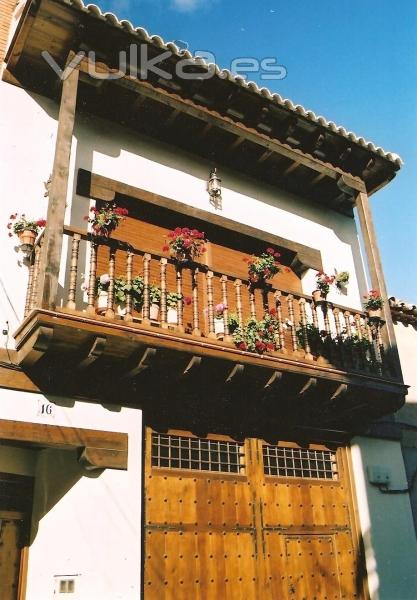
[322,333]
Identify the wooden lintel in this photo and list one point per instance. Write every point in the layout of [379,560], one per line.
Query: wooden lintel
[101,449]
[310,384]
[211,117]
[36,346]
[95,351]
[235,374]
[192,366]
[145,361]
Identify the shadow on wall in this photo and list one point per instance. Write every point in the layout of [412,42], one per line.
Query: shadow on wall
[57,471]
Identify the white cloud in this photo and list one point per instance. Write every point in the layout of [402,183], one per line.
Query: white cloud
[186,5]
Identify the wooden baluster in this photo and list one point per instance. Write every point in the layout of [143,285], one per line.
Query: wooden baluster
[146,289]
[112,274]
[252,304]
[290,304]
[36,267]
[75,246]
[92,280]
[370,338]
[196,312]
[163,274]
[375,332]
[227,336]
[281,334]
[329,340]
[30,284]
[129,277]
[361,353]
[180,303]
[314,315]
[265,302]
[336,316]
[303,316]
[352,356]
[238,290]
[210,304]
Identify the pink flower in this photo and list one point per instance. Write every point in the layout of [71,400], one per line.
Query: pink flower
[165,248]
[242,346]
[186,300]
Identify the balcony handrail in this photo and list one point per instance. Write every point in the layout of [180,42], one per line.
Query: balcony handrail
[126,246]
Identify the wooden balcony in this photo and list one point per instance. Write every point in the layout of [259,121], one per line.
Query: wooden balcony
[330,370]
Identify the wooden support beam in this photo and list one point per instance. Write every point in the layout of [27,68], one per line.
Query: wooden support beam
[35,347]
[264,156]
[235,145]
[377,277]
[96,350]
[192,366]
[235,374]
[274,381]
[309,386]
[52,244]
[316,179]
[340,392]
[172,118]
[290,169]
[146,360]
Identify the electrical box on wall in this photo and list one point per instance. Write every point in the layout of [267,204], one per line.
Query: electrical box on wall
[378,475]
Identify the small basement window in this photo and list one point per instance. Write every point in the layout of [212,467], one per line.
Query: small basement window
[177,452]
[299,462]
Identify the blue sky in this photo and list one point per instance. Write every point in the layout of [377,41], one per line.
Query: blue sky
[353,61]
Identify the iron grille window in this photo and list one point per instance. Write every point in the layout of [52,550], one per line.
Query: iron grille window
[298,462]
[177,452]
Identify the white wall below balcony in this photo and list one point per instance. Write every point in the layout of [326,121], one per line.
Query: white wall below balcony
[86,524]
[386,521]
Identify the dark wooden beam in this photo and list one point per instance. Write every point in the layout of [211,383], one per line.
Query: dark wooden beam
[52,244]
[99,449]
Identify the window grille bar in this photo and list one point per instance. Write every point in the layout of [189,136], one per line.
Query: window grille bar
[296,462]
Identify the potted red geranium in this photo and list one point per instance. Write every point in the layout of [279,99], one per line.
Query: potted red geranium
[185,244]
[263,267]
[373,304]
[106,219]
[26,229]
[323,286]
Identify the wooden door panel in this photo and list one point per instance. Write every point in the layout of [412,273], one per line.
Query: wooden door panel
[249,534]
[195,565]
[10,558]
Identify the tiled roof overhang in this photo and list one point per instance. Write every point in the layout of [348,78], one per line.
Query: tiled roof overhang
[402,311]
[61,26]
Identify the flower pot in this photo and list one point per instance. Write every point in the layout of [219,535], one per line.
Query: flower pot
[374,314]
[219,327]
[183,257]
[101,303]
[172,316]
[154,312]
[27,238]
[318,296]
[121,308]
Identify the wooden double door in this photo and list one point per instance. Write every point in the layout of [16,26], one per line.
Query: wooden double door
[227,520]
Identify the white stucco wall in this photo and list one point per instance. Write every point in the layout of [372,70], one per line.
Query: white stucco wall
[385,521]
[83,523]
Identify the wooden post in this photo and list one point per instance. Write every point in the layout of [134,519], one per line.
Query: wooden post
[377,275]
[52,247]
